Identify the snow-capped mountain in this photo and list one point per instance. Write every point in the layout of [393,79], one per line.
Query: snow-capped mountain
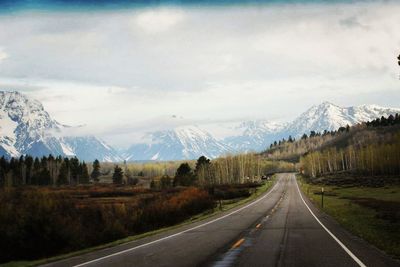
[254,135]
[27,129]
[328,116]
[188,142]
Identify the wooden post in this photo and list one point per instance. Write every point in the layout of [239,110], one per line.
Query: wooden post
[322,197]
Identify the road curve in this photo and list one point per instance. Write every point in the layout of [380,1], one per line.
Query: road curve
[280,228]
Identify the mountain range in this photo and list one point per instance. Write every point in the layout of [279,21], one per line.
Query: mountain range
[255,135]
[26,128]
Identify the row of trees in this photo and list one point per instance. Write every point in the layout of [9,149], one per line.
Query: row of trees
[236,169]
[313,134]
[293,150]
[379,158]
[383,121]
[50,170]
[376,159]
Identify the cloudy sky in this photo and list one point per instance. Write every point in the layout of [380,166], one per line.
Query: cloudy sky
[122,71]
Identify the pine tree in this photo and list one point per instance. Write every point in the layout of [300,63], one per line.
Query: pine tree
[96,171]
[63,175]
[74,168]
[29,166]
[183,175]
[36,171]
[118,175]
[84,174]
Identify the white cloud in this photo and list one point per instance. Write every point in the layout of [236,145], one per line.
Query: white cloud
[158,20]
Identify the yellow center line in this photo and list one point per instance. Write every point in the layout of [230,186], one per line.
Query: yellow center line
[238,243]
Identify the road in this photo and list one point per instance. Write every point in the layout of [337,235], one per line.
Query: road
[281,228]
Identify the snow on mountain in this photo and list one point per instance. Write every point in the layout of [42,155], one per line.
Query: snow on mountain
[191,142]
[89,148]
[187,142]
[328,116]
[254,135]
[27,129]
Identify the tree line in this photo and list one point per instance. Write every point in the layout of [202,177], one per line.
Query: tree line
[374,149]
[371,159]
[383,121]
[49,170]
[235,169]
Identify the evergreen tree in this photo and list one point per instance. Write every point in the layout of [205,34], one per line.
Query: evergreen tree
[183,175]
[201,162]
[74,169]
[29,167]
[202,170]
[84,174]
[63,174]
[118,175]
[36,171]
[96,171]
[44,177]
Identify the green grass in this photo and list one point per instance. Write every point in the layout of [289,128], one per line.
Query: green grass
[226,205]
[369,213]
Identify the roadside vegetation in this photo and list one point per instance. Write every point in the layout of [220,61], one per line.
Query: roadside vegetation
[41,220]
[372,213]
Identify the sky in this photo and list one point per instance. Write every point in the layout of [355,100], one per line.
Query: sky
[122,70]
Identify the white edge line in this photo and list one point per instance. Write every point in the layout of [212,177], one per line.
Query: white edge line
[354,257]
[174,235]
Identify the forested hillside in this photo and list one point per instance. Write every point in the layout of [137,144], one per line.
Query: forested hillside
[370,148]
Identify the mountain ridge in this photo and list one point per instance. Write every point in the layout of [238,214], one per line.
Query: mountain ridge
[27,128]
[184,142]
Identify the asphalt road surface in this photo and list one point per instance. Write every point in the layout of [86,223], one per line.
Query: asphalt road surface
[281,228]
